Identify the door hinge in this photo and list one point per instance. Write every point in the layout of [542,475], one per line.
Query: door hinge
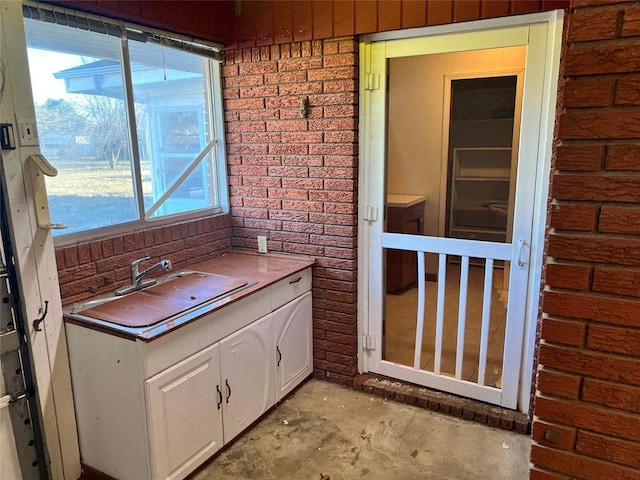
[372,81]
[369,343]
[371,213]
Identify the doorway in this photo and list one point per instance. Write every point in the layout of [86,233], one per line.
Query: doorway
[453,135]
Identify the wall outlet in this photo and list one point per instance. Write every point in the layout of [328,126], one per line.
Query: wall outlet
[262,244]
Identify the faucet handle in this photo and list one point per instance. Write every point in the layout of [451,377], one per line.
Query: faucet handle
[135,263]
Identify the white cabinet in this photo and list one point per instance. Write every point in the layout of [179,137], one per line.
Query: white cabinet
[159,409]
[185,414]
[247,363]
[294,344]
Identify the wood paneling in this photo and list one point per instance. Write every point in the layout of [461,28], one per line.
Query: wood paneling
[464,10]
[439,12]
[524,6]
[131,7]
[494,8]
[169,13]
[322,19]
[302,21]
[389,15]
[343,18]
[264,25]
[282,22]
[414,14]
[246,25]
[366,16]
[266,22]
[150,10]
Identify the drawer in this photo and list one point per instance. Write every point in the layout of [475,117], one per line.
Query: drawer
[291,287]
[175,346]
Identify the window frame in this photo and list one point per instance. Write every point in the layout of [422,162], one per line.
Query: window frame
[213,77]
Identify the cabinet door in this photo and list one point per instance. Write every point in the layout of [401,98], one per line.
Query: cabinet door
[247,360]
[185,414]
[294,344]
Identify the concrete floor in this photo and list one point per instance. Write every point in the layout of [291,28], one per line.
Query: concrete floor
[328,432]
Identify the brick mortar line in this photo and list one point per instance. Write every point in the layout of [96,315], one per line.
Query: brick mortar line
[445,403]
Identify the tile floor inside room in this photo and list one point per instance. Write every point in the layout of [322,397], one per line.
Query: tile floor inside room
[401,313]
[328,432]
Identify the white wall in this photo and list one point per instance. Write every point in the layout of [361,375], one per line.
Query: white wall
[416,112]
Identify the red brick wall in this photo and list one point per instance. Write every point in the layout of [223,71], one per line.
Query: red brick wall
[98,266]
[588,402]
[295,179]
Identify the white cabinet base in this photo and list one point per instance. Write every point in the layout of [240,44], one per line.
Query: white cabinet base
[157,410]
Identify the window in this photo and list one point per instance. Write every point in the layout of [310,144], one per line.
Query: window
[133,127]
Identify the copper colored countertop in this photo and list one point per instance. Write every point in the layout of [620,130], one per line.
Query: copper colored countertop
[265,269]
[261,270]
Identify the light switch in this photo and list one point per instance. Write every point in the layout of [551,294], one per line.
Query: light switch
[27,131]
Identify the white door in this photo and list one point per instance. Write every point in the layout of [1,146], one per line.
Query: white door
[185,414]
[247,360]
[456,280]
[294,344]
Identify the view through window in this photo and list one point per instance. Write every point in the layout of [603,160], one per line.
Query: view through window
[117,162]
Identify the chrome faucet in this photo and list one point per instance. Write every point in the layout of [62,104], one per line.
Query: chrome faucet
[138,278]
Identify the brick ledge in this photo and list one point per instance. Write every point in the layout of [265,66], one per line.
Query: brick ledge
[445,403]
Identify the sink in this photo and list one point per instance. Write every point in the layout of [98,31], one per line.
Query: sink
[171,295]
[78,307]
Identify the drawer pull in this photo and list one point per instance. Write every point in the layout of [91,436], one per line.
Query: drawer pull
[295,281]
[219,396]
[226,382]
[279,355]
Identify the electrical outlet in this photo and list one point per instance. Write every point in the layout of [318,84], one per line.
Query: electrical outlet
[262,244]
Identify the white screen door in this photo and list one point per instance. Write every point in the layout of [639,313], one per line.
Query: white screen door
[448,194]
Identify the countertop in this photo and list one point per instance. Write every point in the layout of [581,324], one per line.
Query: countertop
[404,201]
[261,270]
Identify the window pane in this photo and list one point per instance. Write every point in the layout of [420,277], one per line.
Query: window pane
[174,120]
[78,92]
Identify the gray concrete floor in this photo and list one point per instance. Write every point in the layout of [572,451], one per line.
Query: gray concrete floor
[328,432]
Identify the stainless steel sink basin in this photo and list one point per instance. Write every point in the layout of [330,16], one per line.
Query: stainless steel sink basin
[160,285]
[109,297]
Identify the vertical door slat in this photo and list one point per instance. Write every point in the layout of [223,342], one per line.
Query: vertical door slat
[442,281]
[420,317]
[462,314]
[486,318]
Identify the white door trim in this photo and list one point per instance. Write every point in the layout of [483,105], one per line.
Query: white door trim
[370,141]
[446,119]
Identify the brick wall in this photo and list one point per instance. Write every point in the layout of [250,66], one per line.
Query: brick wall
[295,179]
[587,406]
[98,266]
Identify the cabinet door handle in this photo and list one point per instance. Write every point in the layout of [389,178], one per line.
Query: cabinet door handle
[219,396]
[226,382]
[279,355]
[295,281]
